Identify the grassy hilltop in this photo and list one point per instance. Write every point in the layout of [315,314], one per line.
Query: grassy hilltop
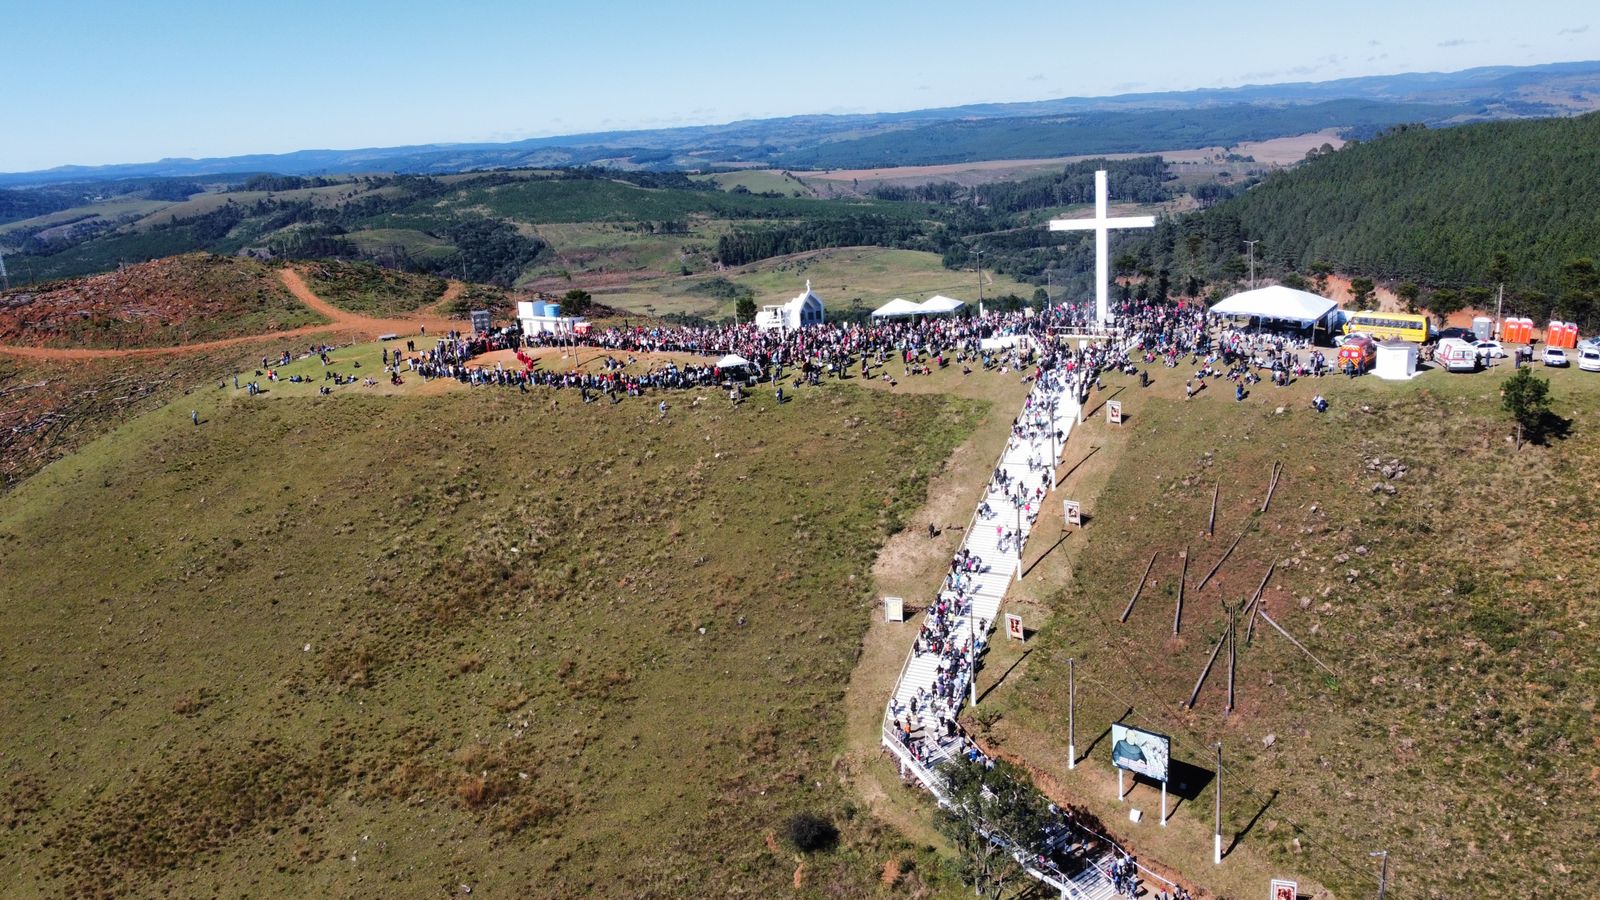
[1449,599]
[396,644]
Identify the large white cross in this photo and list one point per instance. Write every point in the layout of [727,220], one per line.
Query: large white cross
[1100,225]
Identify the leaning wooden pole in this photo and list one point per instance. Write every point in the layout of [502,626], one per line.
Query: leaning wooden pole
[1255,600]
[1233,656]
[1210,661]
[1277,469]
[1263,614]
[1138,590]
[1225,554]
[1211,523]
[1177,612]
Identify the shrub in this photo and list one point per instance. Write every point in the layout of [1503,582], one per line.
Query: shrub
[810,833]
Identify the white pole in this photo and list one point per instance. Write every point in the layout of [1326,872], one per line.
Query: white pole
[1072,704]
[1120,792]
[1102,301]
[1163,804]
[1216,857]
[1018,542]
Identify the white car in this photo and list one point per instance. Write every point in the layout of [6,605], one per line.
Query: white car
[1491,350]
[1589,360]
[1555,356]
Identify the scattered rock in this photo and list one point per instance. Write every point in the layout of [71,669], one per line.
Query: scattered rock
[1269,740]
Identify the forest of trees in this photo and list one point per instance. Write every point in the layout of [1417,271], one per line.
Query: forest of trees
[747,245]
[1432,208]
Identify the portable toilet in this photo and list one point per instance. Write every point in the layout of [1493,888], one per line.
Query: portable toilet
[1483,327]
[1562,334]
[1554,333]
[1517,331]
[1397,360]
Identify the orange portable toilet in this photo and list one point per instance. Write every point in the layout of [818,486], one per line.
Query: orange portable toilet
[1524,330]
[1555,334]
[1569,335]
[1511,332]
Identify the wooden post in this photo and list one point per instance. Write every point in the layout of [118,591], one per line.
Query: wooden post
[1177,614]
[1193,695]
[1249,608]
[1277,469]
[1211,524]
[1233,624]
[1139,589]
[1226,553]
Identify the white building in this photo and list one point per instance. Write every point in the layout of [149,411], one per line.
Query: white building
[539,317]
[801,312]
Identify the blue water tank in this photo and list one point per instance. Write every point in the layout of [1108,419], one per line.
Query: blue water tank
[552,309]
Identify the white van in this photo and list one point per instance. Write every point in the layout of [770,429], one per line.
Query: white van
[1456,355]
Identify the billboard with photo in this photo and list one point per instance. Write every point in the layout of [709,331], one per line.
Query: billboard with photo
[1140,752]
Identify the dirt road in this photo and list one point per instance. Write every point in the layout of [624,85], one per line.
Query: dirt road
[339,322]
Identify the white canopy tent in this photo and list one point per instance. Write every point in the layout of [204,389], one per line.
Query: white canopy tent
[732,361]
[939,305]
[1277,303]
[897,308]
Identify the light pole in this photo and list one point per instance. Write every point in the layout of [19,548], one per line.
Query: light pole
[1252,246]
[980,279]
[1072,703]
[1383,873]
[972,651]
[1216,846]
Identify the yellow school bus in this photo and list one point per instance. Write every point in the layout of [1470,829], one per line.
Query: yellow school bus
[1387,325]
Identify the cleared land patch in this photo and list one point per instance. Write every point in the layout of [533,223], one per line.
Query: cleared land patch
[184,299]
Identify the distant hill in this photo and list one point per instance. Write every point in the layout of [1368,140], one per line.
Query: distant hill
[1427,205]
[1491,92]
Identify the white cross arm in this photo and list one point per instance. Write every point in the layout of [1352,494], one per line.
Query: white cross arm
[1092,224]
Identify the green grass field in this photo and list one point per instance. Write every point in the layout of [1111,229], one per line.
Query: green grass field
[1456,730]
[398,644]
[113,209]
[874,275]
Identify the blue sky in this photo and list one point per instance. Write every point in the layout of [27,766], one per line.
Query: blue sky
[104,82]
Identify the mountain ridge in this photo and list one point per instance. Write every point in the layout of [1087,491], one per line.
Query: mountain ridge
[1483,92]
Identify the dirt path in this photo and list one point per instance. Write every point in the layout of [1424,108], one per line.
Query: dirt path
[339,321]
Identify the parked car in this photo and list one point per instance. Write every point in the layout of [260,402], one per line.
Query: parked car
[1589,344]
[1491,350]
[1456,355]
[1463,334]
[1589,360]
[1555,356]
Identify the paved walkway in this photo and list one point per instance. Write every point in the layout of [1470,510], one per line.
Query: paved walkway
[937,677]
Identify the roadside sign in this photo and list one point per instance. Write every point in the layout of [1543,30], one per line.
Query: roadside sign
[1073,513]
[1014,626]
[894,609]
[1283,889]
[1114,412]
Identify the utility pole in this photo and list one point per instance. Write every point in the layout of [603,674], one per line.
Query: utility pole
[3,271]
[1072,704]
[980,278]
[1252,246]
[972,649]
[1383,873]
[1216,846]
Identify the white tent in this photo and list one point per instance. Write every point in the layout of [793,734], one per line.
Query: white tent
[896,308]
[732,361]
[1277,302]
[939,305]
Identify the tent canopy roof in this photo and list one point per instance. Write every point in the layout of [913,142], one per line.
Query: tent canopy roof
[1276,302]
[939,304]
[897,307]
[732,361]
